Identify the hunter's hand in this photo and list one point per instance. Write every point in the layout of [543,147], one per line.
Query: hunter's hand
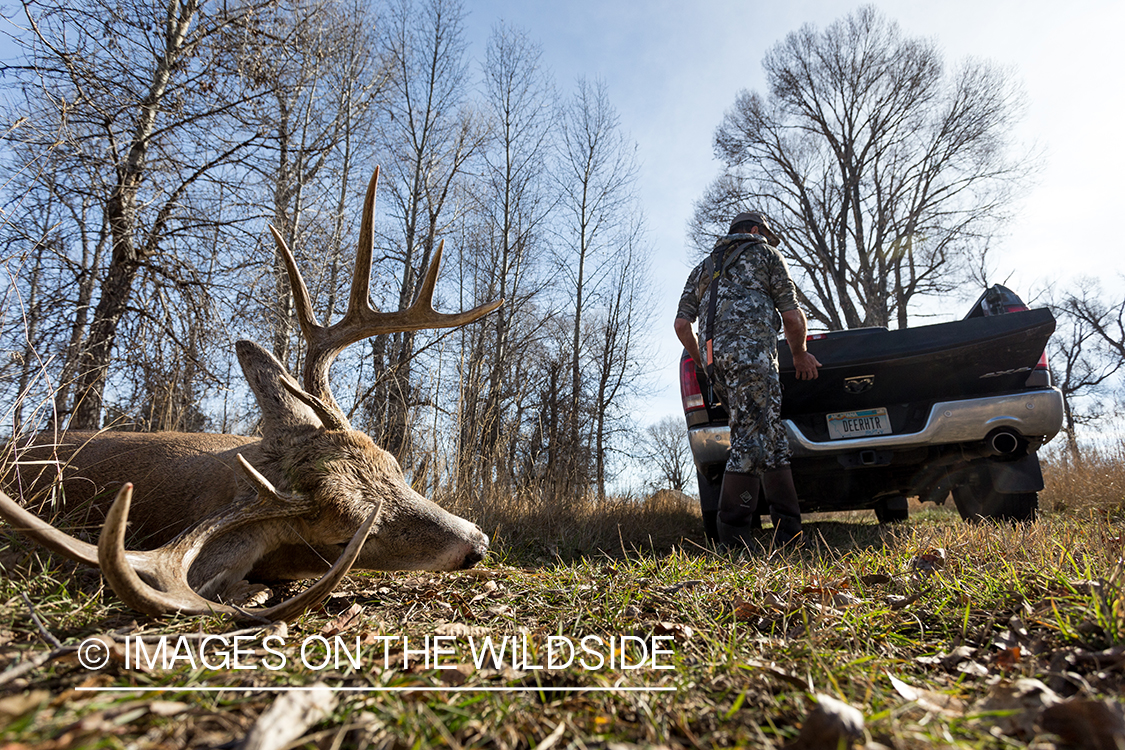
[806,364]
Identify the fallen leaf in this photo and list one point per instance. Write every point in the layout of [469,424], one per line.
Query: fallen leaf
[929,700]
[901,602]
[745,611]
[501,610]
[779,673]
[954,658]
[288,717]
[1016,706]
[773,600]
[930,562]
[279,629]
[1086,724]
[678,632]
[875,579]
[343,622]
[973,668]
[1008,658]
[832,724]
[246,594]
[455,675]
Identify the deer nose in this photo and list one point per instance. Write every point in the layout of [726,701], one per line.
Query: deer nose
[479,550]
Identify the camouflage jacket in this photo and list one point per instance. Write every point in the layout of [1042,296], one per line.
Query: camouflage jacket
[753,288]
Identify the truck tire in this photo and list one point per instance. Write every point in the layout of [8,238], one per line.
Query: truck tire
[893,509]
[977,500]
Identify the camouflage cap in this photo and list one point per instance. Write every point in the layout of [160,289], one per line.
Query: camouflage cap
[753,217]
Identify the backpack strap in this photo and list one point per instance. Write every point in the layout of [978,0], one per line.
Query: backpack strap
[713,268]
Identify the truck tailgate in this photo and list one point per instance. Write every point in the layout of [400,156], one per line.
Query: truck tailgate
[875,367]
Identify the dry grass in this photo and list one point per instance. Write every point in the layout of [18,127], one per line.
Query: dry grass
[1095,481]
[529,526]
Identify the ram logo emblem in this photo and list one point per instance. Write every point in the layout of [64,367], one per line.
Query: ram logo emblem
[859,383]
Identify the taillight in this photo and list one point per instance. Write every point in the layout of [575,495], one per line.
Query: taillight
[1040,376]
[689,386]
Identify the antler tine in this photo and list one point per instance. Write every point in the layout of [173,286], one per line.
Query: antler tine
[332,417]
[359,301]
[173,593]
[167,566]
[39,530]
[320,590]
[361,320]
[302,300]
[421,312]
[364,322]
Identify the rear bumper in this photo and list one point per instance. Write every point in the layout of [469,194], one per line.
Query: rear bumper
[1037,415]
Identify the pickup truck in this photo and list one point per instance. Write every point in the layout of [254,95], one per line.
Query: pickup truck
[953,408]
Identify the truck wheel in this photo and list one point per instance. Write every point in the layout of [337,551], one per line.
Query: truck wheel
[892,509]
[979,501]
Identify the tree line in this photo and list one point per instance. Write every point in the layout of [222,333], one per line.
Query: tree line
[150,143]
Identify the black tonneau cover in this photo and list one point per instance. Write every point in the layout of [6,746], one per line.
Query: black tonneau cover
[871,367]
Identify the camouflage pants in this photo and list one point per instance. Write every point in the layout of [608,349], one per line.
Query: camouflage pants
[746,374]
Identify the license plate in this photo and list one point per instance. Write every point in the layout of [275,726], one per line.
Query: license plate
[854,424]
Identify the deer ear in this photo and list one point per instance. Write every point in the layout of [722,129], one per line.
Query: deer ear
[281,410]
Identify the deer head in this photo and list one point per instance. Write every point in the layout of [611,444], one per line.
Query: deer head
[311,491]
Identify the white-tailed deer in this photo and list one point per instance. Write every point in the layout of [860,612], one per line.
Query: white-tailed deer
[311,497]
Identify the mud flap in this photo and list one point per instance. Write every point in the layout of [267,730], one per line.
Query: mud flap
[710,489]
[1021,475]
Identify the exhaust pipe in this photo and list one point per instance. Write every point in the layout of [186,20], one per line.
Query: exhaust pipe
[1004,443]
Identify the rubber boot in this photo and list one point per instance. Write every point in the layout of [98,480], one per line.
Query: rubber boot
[711,526]
[737,505]
[784,509]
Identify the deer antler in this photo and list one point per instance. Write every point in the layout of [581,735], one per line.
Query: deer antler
[361,320]
[155,581]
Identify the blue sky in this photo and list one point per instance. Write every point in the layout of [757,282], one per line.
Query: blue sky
[673,68]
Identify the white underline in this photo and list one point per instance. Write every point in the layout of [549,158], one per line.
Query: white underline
[377,689]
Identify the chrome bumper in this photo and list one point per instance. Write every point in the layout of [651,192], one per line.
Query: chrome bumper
[1035,414]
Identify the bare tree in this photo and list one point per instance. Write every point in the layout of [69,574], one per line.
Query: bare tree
[429,134]
[315,63]
[885,173]
[665,448]
[138,89]
[56,238]
[616,352]
[512,206]
[1086,352]
[1106,321]
[597,172]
